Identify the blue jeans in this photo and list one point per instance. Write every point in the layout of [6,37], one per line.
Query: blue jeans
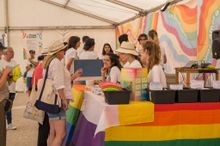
[9,114]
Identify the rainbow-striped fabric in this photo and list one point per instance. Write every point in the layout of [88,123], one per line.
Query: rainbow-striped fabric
[73,112]
[192,124]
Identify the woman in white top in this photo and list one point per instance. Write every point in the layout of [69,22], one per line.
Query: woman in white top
[71,53]
[150,58]
[88,50]
[111,69]
[128,54]
[62,83]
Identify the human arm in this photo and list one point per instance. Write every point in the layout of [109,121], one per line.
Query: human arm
[103,73]
[69,63]
[33,62]
[77,74]
[63,98]
[4,76]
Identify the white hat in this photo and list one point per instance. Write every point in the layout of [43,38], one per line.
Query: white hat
[55,47]
[127,48]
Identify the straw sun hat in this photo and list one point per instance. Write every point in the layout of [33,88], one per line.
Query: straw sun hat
[55,47]
[127,48]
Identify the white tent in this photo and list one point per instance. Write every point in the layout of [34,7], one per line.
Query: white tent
[32,24]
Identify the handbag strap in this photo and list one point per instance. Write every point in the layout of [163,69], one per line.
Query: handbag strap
[45,78]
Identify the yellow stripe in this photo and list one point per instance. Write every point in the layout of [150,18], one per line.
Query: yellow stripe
[160,133]
[136,112]
[77,98]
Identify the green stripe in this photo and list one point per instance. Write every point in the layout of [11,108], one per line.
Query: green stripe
[197,142]
[72,115]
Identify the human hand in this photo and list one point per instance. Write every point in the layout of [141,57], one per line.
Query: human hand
[104,70]
[77,74]
[64,104]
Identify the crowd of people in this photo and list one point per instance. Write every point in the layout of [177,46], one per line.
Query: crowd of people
[58,59]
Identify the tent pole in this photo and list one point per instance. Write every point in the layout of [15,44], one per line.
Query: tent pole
[7,22]
[66,3]
[59,27]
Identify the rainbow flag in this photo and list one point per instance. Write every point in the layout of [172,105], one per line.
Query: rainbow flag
[191,124]
[73,112]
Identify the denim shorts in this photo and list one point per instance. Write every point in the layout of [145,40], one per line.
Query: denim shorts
[59,116]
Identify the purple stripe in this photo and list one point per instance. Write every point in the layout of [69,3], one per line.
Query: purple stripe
[84,134]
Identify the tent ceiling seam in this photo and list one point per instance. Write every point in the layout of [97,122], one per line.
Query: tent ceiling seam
[81,12]
[126,5]
[144,13]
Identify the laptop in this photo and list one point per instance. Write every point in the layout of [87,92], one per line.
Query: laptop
[91,68]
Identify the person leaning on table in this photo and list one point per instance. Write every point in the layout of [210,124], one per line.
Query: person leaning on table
[150,58]
[62,83]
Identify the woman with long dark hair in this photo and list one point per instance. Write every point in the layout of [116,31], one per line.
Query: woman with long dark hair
[71,53]
[111,69]
[106,49]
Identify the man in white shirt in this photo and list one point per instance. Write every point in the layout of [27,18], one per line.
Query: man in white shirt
[8,61]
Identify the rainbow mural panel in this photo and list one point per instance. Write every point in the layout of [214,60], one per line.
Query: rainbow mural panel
[177,28]
[208,21]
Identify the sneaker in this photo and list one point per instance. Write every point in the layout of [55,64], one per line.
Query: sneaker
[11,127]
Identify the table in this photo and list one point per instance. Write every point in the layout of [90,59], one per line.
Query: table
[189,71]
[191,124]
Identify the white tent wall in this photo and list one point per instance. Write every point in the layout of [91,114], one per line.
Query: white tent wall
[2,16]
[37,17]
[38,13]
[19,40]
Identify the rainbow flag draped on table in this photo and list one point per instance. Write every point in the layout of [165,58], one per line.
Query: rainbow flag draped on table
[191,124]
[73,112]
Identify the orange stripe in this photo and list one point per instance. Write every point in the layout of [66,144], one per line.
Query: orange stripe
[185,117]
[79,87]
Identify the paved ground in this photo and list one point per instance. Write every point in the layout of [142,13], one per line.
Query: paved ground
[26,133]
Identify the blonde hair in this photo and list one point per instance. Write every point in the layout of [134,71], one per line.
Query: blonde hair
[154,36]
[47,60]
[153,50]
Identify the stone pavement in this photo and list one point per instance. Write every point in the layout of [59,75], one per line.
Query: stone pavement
[26,133]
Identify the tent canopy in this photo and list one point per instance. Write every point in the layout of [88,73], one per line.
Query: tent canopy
[111,11]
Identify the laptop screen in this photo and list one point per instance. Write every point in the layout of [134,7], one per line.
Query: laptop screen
[89,67]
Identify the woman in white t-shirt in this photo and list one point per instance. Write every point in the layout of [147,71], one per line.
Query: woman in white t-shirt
[150,58]
[88,50]
[128,54]
[111,69]
[71,53]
